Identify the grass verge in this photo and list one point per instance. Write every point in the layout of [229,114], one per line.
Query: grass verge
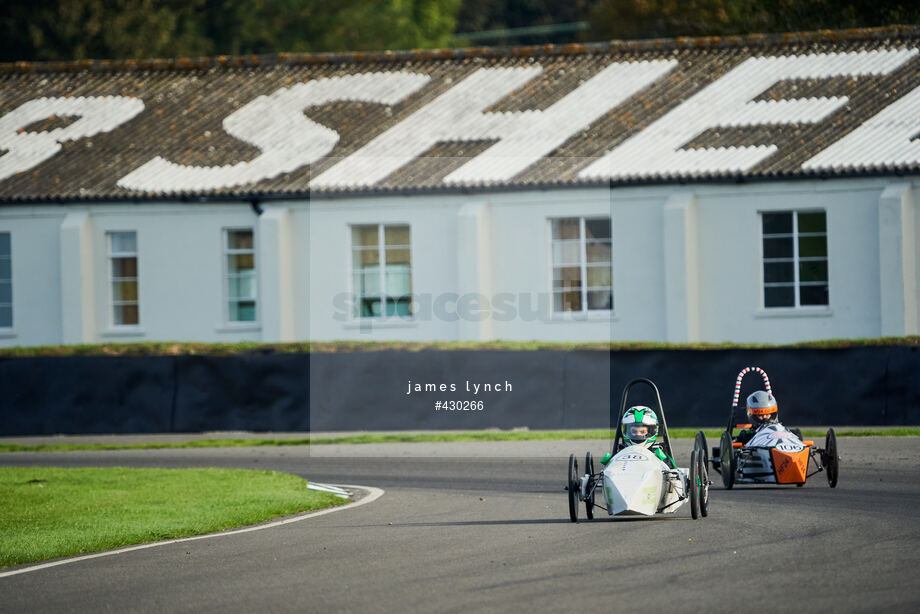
[50,512]
[179,348]
[678,433]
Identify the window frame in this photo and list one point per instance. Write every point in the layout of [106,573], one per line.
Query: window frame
[226,251]
[9,258]
[110,256]
[355,311]
[796,260]
[584,312]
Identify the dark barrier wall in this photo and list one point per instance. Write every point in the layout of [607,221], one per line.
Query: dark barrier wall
[368,390]
[251,392]
[86,395]
[372,388]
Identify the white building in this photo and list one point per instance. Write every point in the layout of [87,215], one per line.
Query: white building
[752,190]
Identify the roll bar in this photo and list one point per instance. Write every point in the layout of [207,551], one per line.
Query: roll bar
[745,371]
[616,419]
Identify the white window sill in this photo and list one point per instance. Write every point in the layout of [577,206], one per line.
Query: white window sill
[8,333]
[588,316]
[241,327]
[123,332]
[372,323]
[794,312]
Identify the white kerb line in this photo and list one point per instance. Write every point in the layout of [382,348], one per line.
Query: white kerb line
[373,494]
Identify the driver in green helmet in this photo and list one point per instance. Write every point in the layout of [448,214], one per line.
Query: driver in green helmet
[639,427]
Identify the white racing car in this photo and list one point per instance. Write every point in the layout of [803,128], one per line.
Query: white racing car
[635,481]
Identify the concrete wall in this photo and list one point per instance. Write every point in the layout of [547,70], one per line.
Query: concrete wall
[730,263]
[35,250]
[686,266]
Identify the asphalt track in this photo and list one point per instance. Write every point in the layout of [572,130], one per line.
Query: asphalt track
[484,527]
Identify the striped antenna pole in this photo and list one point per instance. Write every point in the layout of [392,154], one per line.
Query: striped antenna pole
[744,371]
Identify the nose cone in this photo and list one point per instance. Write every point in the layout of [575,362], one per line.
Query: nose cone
[632,492]
[790,467]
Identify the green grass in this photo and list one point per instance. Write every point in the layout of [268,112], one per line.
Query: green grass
[170,348]
[677,433]
[53,512]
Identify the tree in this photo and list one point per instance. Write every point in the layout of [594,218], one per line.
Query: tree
[627,19]
[99,29]
[489,15]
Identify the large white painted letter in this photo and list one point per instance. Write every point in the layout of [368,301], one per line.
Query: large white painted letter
[456,111]
[729,102]
[541,132]
[523,137]
[26,150]
[888,138]
[277,126]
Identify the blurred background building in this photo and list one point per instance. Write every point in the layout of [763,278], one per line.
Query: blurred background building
[747,188]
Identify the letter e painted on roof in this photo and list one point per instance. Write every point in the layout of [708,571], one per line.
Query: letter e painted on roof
[729,102]
[887,139]
[26,150]
[522,137]
[277,126]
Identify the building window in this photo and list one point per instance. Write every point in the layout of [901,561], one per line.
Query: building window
[123,255]
[241,275]
[6,281]
[794,259]
[582,268]
[381,270]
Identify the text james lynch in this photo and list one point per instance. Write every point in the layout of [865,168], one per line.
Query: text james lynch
[468,385]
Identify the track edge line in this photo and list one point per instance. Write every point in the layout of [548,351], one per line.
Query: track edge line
[374,493]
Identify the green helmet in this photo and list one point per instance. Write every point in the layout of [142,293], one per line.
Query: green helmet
[640,426]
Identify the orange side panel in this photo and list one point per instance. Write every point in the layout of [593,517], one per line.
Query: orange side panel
[737,444]
[742,426]
[809,443]
[790,467]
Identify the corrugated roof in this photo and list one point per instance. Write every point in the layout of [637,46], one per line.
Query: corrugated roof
[712,109]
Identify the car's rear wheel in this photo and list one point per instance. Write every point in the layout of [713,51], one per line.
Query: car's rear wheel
[700,444]
[703,486]
[694,484]
[573,488]
[589,491]
[727,459]
[831,459]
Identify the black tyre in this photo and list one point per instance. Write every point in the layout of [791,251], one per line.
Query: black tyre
[573,488]
[831,459]
[703,486]
[727,458]
[589,493]
[700,444]
[693,485]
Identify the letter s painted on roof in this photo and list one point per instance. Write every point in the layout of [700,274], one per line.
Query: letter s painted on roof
[277,126]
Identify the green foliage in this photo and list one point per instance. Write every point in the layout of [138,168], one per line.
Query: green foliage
[81,29]
[120,29]
[629,19]
[173,348]
[54,512]
[491,16]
